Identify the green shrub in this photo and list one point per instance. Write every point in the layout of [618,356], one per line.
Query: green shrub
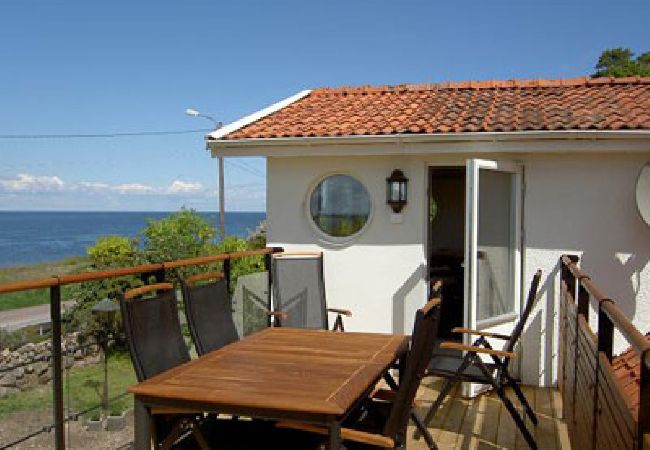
[113,251]
[181,235]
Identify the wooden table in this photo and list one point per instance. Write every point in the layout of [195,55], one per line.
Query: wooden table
[311,376]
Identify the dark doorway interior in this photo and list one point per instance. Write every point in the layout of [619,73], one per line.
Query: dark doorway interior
[446,244]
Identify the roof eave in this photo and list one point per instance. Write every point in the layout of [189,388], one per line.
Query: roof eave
[484,142]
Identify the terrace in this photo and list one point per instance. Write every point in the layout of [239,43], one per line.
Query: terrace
[590,409]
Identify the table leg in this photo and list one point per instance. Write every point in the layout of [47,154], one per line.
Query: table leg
[335,436]
[141,428]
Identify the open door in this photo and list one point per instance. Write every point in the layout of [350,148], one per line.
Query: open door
[492,245]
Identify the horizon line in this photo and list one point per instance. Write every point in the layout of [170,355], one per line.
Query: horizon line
[123,211]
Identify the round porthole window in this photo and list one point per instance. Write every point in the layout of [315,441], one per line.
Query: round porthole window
[339,206]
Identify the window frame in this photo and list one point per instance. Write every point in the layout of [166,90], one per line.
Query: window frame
[322,236]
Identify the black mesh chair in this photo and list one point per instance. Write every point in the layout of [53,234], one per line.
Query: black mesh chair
[156,344]
[450,363]
[299,292]
[209,311]
[381,422]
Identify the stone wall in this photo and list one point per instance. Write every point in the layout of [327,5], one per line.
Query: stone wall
[30,365]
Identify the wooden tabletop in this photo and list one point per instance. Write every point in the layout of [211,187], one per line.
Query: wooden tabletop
[279,372]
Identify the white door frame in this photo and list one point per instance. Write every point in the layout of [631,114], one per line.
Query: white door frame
[473,167]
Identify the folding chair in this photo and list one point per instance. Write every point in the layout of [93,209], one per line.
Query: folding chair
[209,311]
[156,344]
[449,363]
[299,292]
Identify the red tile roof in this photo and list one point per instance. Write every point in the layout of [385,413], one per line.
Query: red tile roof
[627,368]
[456,107]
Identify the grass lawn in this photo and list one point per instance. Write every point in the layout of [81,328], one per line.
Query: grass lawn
[81,390]
[35,296]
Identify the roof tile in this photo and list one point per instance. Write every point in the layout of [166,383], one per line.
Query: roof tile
[466,106]
[627,368]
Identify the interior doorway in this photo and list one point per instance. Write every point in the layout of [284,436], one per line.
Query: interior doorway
[446,243]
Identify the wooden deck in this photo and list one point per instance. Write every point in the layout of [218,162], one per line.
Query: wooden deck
[484,423]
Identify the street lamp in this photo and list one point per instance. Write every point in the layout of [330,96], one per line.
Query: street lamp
[222,211]
[105,312]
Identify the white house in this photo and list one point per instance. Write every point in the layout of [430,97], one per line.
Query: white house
[503,178]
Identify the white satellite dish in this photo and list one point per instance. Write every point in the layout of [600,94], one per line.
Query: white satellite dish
[643,193]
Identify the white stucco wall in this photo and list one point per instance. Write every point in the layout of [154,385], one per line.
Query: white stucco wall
[380,277]
[581,203]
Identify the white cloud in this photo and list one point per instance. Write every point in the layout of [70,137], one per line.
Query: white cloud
[24,182]
[94,185]
[179,186]
[133,188]
[34,191]
[27,183]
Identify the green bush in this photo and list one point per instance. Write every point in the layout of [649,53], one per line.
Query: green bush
[113,251]
[181,235]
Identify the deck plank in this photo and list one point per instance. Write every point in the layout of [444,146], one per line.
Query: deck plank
[483,423]
[545,432]
[508,431]
[561,429]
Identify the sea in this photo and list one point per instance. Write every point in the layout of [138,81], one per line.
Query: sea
[38,237]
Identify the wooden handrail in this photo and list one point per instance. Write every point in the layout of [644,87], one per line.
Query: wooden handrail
[634,337]
[60,280]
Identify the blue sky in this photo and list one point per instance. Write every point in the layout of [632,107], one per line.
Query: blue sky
[101,67]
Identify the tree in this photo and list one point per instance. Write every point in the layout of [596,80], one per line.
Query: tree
[620,62]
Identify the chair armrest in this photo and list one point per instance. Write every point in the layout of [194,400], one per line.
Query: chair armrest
[347,434]
[470,348]
[280,314]
[345,312]
[137,292]
[204,276]
[388,395]
[463,330]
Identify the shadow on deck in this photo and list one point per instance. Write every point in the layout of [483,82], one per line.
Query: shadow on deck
[484,423]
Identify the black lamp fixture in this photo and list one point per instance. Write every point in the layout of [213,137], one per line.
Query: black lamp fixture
[396,190]
[105,312]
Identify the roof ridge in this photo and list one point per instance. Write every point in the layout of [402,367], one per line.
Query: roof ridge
[482,84]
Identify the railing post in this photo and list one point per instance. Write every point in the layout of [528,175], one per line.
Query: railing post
[159,275]
[583,300]
[57,367]
[643,421]
[268,263]
[605,331]
[226,273]
[567,276]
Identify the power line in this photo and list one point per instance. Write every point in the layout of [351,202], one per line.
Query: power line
[246,168]
[102,135]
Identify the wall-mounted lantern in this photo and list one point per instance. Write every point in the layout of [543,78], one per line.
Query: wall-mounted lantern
[396,190]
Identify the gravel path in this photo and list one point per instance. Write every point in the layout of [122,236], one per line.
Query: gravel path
[13,426]
[14,319]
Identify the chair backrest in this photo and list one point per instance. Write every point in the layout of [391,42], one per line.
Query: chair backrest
[209,312]
[419,355]
[153,330]
[251,302]
[299,290]
[530,301]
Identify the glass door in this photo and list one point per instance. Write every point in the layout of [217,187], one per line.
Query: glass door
[492,245]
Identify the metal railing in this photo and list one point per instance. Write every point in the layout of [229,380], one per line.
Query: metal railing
[145,271]
[597,410]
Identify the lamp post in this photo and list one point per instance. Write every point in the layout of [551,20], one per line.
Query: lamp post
[105,311]
[222,211]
